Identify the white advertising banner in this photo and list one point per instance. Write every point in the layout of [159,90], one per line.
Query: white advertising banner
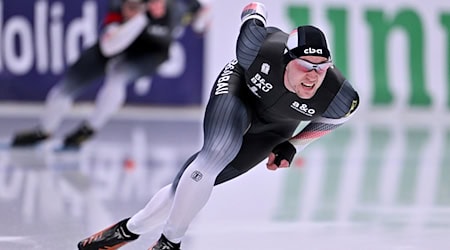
[396,53]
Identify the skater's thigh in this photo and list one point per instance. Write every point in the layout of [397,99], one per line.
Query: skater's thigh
[255,148]
[89,67]
[133,66]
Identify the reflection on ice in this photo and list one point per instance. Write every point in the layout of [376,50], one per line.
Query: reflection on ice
[368,184]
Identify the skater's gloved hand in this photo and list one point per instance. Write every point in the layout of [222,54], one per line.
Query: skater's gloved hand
[254,10]
[281,156]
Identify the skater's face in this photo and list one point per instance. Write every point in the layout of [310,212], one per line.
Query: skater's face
[131,8]
[304,75]
[157,8]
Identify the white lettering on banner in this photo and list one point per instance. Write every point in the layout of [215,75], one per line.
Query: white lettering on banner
[81,27]
[42,59]
[56,41]
[18,28]
[44,42]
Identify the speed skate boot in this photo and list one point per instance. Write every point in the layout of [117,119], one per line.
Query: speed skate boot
[111,238]
[164,244]
[77,137]
[29,138]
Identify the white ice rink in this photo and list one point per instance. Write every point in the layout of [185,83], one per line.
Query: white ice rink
[365,187]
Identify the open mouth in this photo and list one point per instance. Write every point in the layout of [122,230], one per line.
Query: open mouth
[306,85]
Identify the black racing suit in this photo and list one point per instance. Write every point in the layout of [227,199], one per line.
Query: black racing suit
[250,111]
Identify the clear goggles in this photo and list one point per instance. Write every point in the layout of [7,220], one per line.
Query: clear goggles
[306,66]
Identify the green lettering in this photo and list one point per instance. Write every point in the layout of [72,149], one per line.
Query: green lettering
[445,21]
[299,15]
[381,26]
[339,23]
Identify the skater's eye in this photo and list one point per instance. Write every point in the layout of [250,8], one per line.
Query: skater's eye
[307,66]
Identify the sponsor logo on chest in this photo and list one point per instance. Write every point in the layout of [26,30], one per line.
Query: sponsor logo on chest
[258,83]
[303,108]
[265,68]
[158,30]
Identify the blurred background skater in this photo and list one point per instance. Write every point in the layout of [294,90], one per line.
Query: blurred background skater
[134,42]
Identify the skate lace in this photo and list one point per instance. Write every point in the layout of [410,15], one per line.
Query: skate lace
[166,246]
[118,235]
[122,233]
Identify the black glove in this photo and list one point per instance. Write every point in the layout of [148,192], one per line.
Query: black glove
[284,151]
